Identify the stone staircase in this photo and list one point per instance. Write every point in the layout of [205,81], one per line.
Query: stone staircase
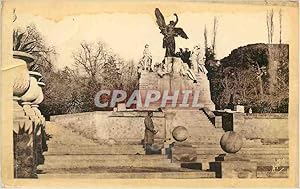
[204,136]
[71,155]
[200,129]
[272,159]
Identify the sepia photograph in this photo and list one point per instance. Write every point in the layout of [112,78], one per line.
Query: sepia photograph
[111,91]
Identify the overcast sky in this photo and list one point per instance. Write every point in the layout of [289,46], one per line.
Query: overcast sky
[126,34]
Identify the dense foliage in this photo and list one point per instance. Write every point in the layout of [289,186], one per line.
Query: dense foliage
[255,76]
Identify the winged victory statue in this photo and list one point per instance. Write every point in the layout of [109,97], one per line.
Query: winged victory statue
[170,32]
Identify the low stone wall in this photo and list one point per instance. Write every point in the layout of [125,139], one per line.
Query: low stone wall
[261,126]
[84,123]
[105,125]
[129,126]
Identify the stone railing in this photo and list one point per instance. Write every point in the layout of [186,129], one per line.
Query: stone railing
[29,137]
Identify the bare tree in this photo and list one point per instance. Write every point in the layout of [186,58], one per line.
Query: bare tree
[91,59]
[214,34]
[205,38]
[15,15]
[270,26]
[280,25]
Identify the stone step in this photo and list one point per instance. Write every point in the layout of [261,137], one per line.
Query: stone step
[212,134]
[270,163]
[246,150]
[100,149]
[56,141]
[258,143]
[196,143]
[245,145]
[105,157]
[61,163]
[262,152]
[136,175]
[262,161]
[204,131]
[205,139]
[263,149]
[99,146]
[206,146]
[95,152]
[112,148]
[100,160]
[119,141]
[53,144]
[272,172]
[263,156]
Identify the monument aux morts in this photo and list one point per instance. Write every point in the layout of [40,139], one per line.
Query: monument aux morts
[176,75]
[191,138]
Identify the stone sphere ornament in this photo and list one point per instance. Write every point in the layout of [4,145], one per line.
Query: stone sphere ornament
[231,142]
[180,133]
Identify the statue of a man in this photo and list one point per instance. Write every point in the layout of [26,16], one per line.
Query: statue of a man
[147,58]
[197,59]
[149,132]
[170,32]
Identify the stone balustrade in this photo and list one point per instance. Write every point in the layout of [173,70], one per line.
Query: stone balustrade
[29,124]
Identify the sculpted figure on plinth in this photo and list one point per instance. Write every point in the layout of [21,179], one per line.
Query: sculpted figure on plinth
[170,32]
[146,62]
[197,59]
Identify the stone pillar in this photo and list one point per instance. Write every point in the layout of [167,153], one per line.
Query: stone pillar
[27,119]
[169,127]
[233,166]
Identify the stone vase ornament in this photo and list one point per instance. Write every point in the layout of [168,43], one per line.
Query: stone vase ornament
[21,80]
[39,98]
[33,91]
[231,142]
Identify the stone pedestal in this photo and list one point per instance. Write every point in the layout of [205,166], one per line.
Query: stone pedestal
[24,154]
[121,107]
[239,108]
[183,152]
[233,166]
[173,81]
[23,142]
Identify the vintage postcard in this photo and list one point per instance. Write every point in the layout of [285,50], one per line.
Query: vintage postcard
[149,93]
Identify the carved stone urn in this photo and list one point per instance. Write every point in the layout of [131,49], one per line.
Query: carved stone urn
[21,81]
[34,89]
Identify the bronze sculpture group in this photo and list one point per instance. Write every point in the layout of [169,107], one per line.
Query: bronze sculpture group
[170,32]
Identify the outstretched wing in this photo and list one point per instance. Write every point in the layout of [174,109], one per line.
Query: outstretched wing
[160,20]
[181,33]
